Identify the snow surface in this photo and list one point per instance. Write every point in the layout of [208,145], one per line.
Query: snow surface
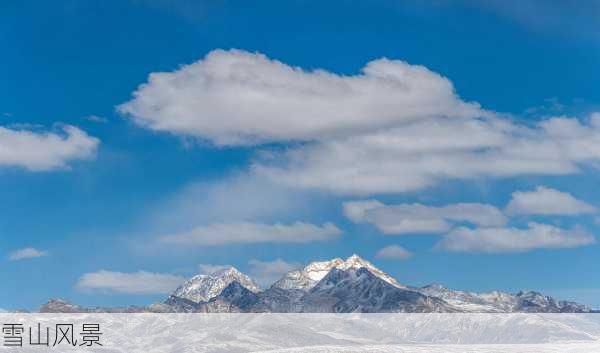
[407,333]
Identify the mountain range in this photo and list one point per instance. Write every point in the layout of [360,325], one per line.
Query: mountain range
[353,285]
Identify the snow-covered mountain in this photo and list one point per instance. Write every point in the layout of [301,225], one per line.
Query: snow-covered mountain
[340,286]
[359,290]
[61,306]
[202,288]
[307,277]
[472,302]
[500,302]
[356,285]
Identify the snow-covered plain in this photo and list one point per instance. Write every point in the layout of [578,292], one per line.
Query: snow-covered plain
[407,333]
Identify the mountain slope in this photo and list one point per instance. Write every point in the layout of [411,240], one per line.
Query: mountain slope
[234,298]
[359,290]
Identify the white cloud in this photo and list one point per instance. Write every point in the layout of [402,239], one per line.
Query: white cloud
[546,201]
[394,252]
[26,253]
[245,233]
[423,153]
[239,198]
[42,151]
[207,269]
[240,98]
[267,272]
[416,218]
[504,240]
[141,282]
[393,128]
[356,211]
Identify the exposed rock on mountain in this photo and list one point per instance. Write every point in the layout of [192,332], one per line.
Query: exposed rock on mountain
[234,298]
[359,290]
[535,302]
[61,306]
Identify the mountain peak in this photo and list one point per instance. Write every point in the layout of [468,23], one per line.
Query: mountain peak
[227,271]
[57,305]
[202,288]
[354,261]
[312,273]
[435,286]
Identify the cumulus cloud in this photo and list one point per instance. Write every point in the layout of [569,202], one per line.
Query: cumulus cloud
[267,272]
[417,218]
[43,151]
[393,252]
[246,232]
[26,253]
[240,98]
[394,127]
[546,201]
[505,240]
[423,153]
[141,282]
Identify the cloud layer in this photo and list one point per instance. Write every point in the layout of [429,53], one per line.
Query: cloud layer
[239,98]
[246,233]
[417,218]
[546,201]
[504,240]
[43,151]
[423,153]
[141,282]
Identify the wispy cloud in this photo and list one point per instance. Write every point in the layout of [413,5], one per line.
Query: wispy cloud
[550,15]
[505,240]
[141,282]
[246,233]
[95,118]
[393,252]
[207,269]
[417,218]
[553,17]
[26,253]
[424,153]
[546,201]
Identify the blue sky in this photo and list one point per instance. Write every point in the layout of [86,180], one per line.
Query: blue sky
[242,143]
